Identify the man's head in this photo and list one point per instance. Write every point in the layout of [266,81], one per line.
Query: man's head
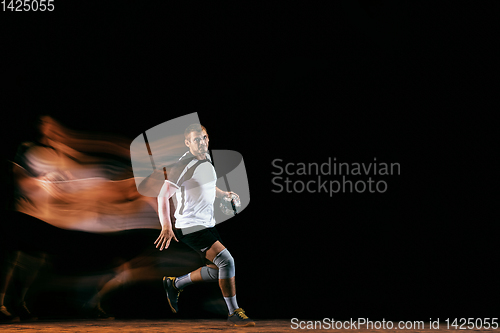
[196,139]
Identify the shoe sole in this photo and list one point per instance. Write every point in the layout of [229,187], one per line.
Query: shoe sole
[249,324]
[12,320]
[168,298]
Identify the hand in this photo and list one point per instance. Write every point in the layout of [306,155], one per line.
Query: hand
[164,239]
[230,193]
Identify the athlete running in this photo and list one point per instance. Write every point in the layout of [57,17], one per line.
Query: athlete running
[192,184]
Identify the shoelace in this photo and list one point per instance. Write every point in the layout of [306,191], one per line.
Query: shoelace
[241,314]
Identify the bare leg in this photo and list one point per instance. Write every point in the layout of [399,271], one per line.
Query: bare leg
[9,262]
[6,276]
[236,315]
[30,264]
[228,286]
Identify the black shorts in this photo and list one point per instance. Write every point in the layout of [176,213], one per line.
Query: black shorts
[201,240]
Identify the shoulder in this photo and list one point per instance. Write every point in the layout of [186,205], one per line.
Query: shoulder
[174,173]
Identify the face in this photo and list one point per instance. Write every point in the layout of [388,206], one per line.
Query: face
[197,143]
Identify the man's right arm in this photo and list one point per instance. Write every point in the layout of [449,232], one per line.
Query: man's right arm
[167,233]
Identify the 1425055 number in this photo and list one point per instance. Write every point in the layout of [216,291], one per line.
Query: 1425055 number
[28,5]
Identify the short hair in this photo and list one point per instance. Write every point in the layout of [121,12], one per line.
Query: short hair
[194,128]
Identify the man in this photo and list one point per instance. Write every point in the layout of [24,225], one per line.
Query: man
[193,181]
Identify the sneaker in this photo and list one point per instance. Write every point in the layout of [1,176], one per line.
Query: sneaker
[97,313]
[239,318]
[172,292]
[24,313]
[6,316]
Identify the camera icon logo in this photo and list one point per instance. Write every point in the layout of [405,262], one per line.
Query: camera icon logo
[156,151]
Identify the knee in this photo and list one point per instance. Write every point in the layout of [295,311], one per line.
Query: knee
[209,273]
[225,262]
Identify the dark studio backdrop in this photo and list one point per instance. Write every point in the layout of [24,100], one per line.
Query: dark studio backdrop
[408,83]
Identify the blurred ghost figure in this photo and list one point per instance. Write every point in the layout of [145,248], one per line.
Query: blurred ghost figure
[71,186]
[26,265]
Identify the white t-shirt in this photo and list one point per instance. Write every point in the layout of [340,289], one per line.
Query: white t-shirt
[195,181]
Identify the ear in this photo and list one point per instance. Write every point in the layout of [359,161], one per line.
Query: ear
[186,142]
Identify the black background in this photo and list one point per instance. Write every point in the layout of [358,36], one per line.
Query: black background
[412,83]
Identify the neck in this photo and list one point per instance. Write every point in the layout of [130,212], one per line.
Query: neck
[199,156]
